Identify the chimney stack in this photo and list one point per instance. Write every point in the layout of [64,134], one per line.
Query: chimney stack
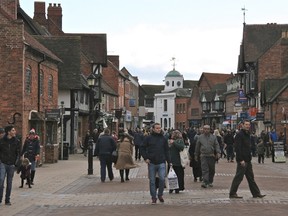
[114,59]
[55,14]
[10,7]
[40,13]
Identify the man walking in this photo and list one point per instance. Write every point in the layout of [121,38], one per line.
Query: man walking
[207,147]
[9,153]
[138,140]
[155,152]
[244,165]
[104,147]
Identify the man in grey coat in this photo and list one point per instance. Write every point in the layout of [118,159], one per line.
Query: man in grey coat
[207,147]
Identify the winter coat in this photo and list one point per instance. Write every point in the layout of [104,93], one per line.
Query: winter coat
[243,146]
[260,148]
[125,152]
[206,146]
[9,150]
[31,148]
[174,149]
[155,148]
[105,145]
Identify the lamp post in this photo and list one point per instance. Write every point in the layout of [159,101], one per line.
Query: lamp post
[91,83]
[62,129]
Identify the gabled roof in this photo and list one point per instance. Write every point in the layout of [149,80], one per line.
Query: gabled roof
[272,88]
[94,46]
[257,39]
[189,84]
[181,92]
[34,44]
[151,90]
[68,48]
[30,25]
[214,78]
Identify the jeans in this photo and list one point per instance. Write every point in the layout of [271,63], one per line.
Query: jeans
[248,172]
[106,161]
[6,170]
[152,170]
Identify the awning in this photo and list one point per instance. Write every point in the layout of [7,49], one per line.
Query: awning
[36,116]
[226,123]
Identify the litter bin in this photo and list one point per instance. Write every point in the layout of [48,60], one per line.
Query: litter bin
[65,150]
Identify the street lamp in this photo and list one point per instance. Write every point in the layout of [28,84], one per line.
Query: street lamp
[91,83]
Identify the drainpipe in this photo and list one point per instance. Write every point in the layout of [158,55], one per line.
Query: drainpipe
[39,86]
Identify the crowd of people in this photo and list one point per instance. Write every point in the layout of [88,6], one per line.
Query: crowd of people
[159,148]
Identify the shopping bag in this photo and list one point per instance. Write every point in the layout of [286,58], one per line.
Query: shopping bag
[172,179]
[184,157]
[114,156]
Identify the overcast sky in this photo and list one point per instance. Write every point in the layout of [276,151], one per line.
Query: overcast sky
[203,35]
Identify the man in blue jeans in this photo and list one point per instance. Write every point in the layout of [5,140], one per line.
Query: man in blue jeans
[9,152]
[155,152]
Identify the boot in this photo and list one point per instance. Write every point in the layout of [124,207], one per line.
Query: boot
[127,174]
[32,177]
[22,183]
[29,182]
[122,175]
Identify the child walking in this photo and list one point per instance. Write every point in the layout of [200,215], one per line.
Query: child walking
[25,172]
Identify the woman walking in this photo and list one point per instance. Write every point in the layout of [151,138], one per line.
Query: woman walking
[176,144]
[125,160]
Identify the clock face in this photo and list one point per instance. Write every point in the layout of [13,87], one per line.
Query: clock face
[178,83]
[167,83]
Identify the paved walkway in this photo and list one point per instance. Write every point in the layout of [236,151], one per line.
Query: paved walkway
[64,188]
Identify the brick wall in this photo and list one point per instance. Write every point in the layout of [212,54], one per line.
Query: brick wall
[11,68]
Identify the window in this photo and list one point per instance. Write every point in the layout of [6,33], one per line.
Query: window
[184,108]
[206,106]
[195,112]
[28,79]
[41,79]
[165,105]
[82,97]
[218,105]
[177,108]
[50,86]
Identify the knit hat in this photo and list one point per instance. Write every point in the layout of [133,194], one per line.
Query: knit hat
[32,131]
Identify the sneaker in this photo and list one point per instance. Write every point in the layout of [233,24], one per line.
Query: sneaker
[154,200]
[161,199]
[8,203]
[210,185]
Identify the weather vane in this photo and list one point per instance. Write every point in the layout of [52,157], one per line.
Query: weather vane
[174,62]
[244,10]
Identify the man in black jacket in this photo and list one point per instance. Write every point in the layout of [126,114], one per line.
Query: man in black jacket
[244,165]
[9,153]
[104,147]
[155,152]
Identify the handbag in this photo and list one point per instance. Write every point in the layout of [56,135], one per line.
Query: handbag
[114,156]
[184,158]
[172,179]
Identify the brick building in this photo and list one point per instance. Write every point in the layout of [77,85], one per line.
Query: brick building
[29,76]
